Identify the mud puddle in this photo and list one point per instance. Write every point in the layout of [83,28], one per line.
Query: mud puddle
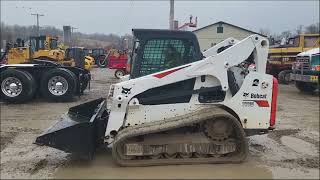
[103,167]
[299,145]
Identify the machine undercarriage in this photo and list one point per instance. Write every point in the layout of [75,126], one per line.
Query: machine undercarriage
[214,139]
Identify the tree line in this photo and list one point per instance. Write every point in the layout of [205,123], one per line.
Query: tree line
[276,38]
[9,33]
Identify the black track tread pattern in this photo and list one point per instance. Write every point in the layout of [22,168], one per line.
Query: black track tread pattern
[181,121]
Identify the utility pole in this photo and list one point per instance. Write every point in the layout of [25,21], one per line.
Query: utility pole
[73,39]
[38,27]
[171,16]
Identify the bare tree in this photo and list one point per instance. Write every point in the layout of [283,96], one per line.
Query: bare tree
[286,34]
[265,31]
[312,29]
[10,33]
[299,30]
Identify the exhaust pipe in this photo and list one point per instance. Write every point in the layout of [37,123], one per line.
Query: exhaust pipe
[80,131]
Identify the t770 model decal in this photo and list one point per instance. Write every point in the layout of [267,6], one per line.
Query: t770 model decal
[260,103]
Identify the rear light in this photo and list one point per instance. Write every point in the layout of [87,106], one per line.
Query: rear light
[274,103]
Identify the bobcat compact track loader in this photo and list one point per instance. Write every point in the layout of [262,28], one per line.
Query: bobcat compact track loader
[178,107]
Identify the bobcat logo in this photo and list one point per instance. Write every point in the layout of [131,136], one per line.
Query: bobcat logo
[245,94]
[126,90]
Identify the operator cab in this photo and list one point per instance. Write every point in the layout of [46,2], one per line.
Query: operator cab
[77,54]
[43,43]
[158,50]
[97,52]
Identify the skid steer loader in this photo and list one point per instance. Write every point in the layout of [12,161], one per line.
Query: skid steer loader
[178,107]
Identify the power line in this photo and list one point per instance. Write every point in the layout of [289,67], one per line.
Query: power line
[38,27]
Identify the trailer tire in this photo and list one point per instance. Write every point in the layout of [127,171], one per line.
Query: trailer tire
[17,78]
[119,73]
[102,61]
[306,87]
[284,77]
[58,84]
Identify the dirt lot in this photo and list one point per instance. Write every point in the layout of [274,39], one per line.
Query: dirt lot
[291,151]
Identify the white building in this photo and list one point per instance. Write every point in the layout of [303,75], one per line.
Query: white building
[214,33]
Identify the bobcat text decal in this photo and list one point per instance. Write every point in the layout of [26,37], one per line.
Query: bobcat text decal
[255,95]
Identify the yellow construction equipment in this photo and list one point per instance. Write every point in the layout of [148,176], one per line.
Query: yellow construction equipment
[43,47]
[281,58]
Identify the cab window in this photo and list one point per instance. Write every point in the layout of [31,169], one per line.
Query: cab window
[293,42]
[161,54]
[53,44]
[33,43]
[41,43]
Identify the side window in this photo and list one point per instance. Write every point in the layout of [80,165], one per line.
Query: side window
[54,44]
[219,29]
[41,44]
[162,54]
[95,52]
[33,44]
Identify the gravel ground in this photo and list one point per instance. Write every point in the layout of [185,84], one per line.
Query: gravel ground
[291,151]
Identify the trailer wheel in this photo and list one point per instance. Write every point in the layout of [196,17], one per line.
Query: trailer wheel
[102,61]
[17,86]
[284,77]
[305,87]
[119,73]
[58,84]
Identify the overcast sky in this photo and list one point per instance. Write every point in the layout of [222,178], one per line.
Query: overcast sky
[121,16]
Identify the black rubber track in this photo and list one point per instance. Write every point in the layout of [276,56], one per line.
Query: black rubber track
[177,122]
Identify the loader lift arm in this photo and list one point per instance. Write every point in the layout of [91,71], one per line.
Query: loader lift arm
[220,47]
